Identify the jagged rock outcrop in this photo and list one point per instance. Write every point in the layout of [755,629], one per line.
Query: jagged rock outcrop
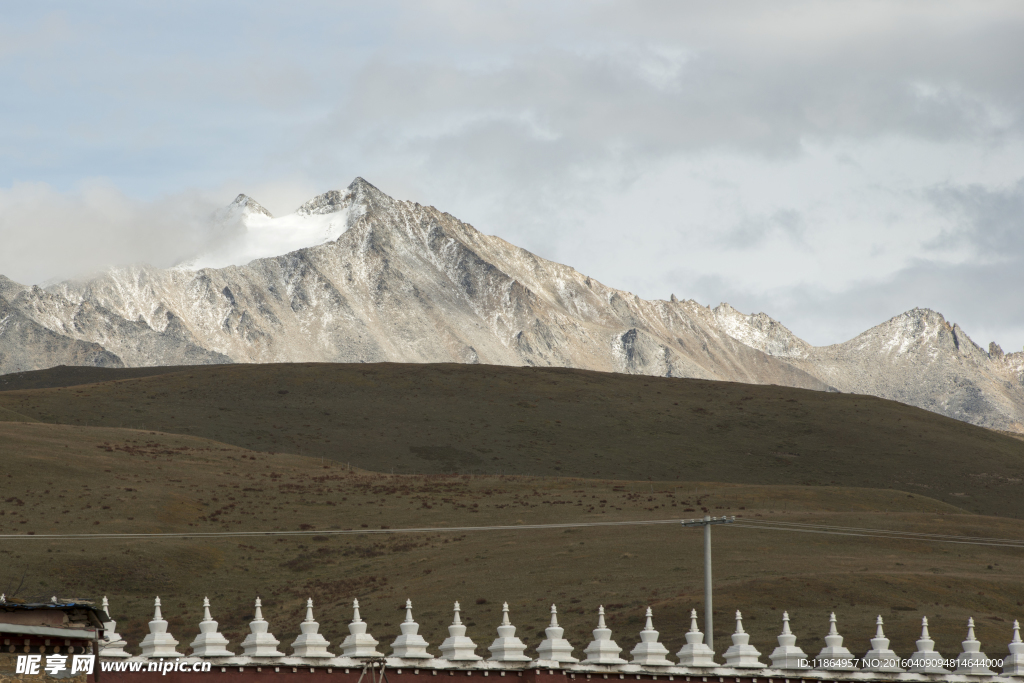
[406,282]
[27,345]
[133,342]
[758,331]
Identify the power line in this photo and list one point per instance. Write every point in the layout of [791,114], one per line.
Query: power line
[767,525]
[881,533]
[775,522]
[330,532]
[876,531]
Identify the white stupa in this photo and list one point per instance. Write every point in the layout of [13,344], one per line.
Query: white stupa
[972,659]
[696,652]
[359,643]
[602,649]
[158,642]
[1014,664]
[554,648]
[507,647]
[649,652]
[926,660]
[457,647]
[838,658]
[260,642]
[112,644]
[787,655]
[210,642]
[880,657]
[741,654]
[410,645]
[310,642]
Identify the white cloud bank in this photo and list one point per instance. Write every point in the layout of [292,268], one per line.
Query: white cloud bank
[46,234]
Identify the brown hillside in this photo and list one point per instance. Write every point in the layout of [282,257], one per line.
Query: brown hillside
[428,419]
[64,479]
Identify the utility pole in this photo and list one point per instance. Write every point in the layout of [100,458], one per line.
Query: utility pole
[709,626]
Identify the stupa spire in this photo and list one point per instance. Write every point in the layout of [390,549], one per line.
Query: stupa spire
[359,643]
[310,642]
[649,652]
[507,647]
[554,648]
[210,642]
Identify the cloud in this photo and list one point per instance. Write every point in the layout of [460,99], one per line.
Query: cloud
[753,231]
[48,234]
[981,292]
[987,221]
[984,299]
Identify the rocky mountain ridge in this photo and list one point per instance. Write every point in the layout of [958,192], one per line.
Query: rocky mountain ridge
[405,282]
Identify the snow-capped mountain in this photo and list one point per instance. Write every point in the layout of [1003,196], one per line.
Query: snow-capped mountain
[358,276]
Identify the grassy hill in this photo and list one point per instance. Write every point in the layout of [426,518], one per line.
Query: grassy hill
[61,478]
[71,375]
[431,419]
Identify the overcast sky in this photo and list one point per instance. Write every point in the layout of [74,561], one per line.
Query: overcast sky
[831,164]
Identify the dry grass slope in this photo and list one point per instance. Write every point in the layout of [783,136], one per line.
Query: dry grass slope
[62,478]
[445,418]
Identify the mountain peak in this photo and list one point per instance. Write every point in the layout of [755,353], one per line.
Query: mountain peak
[360,184]
[248,205]
[358,193]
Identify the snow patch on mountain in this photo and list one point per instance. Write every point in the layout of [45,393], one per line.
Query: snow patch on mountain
[263,237]
[246,231]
